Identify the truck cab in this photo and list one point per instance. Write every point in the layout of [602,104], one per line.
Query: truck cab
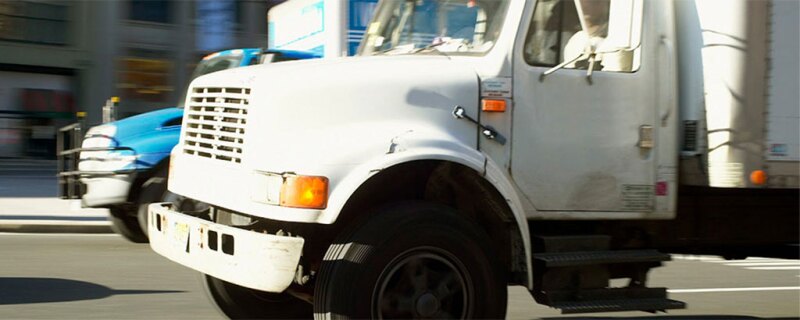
[471,145]
[123,164]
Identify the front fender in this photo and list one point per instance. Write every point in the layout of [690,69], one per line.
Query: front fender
[403,148]
[503,184]
[153,147]
[414,146]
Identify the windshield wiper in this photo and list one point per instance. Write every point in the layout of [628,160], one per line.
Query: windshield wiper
[433,47]
[390,49]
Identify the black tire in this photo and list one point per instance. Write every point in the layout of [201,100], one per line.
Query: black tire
[415,260]
[154,189]
[125,223]
[238,302]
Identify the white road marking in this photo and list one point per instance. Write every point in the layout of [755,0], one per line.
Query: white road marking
[733,289]
[764,264]
[695,258]
[748,260]
[59,234]
[749,263]
[774,268]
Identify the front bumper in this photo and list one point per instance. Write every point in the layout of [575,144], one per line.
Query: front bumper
[106,190]
[250,259]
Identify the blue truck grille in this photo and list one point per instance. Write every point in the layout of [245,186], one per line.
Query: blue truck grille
[215,122]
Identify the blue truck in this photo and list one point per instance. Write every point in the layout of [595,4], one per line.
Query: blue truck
[122,165]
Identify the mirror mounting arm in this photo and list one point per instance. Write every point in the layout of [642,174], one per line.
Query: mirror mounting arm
[487,131]
[559,66]
[592,61]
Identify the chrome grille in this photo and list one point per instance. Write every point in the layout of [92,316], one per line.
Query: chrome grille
[215,123]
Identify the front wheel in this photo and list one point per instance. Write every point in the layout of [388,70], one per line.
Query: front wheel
[125,223]
[152,190]
[238,302]
[416,260]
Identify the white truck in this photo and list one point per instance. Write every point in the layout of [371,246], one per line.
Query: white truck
[474,144]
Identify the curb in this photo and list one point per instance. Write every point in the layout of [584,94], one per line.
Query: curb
[51,215]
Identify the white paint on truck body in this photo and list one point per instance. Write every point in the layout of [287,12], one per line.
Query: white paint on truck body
[381,100]
[739,80]
[783,114]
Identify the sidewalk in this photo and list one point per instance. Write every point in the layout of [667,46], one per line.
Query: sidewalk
[29,201]
[50,215]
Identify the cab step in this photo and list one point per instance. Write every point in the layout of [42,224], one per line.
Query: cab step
[573,273]
[648,305]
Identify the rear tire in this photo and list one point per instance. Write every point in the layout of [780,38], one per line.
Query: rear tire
[416,260]
[126,224]
[238,302]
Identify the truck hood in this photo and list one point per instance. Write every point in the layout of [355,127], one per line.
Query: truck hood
[144,123]
[308,111]
[154,132]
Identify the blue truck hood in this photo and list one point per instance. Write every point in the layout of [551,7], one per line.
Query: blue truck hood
[151,132]
[143,123]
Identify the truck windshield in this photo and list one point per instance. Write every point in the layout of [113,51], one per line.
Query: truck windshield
[212,63]
[466,27]
[215,64]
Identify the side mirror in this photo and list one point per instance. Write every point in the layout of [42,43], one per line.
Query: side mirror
[266,57]
[624,25]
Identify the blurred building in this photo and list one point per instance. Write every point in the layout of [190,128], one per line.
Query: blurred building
[58,57]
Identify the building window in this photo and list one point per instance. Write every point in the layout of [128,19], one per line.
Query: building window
[150,10]
[144,76]
[217,21]
[34,22]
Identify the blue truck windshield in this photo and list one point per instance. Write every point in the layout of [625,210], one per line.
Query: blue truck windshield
[451,26]
[215,64]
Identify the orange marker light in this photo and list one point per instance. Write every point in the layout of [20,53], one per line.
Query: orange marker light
[492,105]
[304,192]
[758,177]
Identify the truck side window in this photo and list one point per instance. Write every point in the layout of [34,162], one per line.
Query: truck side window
[557,35]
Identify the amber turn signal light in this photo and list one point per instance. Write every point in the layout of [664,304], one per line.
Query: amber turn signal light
[310,192]
[493,105]
[758,177]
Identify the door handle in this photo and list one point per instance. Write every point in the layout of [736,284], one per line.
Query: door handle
[646,137]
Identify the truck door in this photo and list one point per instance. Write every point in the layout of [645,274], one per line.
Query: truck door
[583,140]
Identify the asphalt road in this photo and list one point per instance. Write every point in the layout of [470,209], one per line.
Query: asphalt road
[84,276]
[104,277]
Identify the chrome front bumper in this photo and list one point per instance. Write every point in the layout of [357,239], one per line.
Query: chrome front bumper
[254,260]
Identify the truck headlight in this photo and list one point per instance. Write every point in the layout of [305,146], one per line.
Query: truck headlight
[98,155]
[100,136]
[290,190]
[116,161]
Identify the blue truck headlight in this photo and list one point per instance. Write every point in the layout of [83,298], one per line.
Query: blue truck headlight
[100,136]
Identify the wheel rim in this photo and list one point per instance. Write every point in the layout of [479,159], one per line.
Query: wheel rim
[423,283]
